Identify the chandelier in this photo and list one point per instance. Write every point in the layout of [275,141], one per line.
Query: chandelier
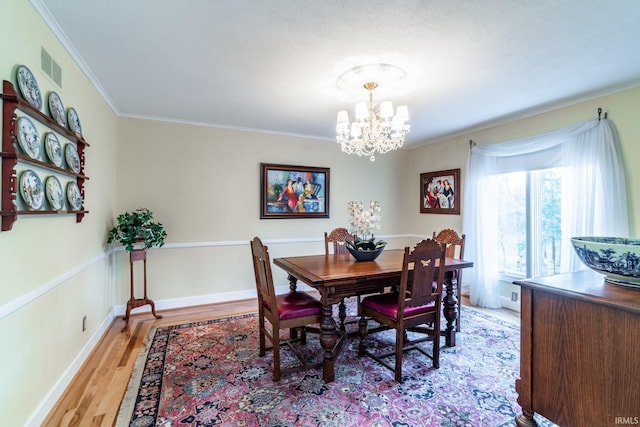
[372,132]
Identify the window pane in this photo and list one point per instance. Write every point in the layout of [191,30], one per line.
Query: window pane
[529,232]
[510,202]
[548,253]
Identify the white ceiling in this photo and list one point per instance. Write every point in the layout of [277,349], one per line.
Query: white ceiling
[271,65]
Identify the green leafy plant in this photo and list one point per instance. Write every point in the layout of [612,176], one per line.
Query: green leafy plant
[365,244]
[137,227]
[364,222]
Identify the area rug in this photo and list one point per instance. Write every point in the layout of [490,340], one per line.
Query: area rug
[208,373]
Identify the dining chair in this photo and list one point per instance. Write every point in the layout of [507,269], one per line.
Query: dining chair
[454,249]
[334,242]
[295,311]
[414,308]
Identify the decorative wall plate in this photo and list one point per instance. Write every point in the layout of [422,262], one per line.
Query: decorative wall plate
[53,149]
[29,87]
[74,122]
[28,137]
[31,189]
[72,158]
[54,193]
[73,196]
[56,108]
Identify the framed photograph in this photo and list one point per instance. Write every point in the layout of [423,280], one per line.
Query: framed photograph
[440,192]
[293,191]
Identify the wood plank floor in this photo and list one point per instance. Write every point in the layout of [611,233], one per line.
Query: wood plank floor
[93,397]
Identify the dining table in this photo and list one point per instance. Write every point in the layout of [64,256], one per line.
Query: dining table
[339,276]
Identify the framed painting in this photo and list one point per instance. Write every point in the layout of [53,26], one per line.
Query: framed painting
[293,191]
[440,192]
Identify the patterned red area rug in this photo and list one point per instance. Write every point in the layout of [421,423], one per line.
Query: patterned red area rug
[209,373]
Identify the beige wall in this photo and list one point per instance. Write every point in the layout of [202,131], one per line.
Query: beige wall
[53,271]
[203,184]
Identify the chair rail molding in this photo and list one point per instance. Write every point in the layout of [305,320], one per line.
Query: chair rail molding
[29,297]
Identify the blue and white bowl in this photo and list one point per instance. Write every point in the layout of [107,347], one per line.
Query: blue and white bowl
[618,258]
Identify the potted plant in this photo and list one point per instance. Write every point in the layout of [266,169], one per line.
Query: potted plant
[137,227]
[363,223]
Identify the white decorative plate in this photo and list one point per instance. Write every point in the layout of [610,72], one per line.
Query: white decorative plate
[74,122]
[28,137]
[72,158]
[54,193]
[53,149]
[56,108]
[29,87]
[31,189]
[73,196]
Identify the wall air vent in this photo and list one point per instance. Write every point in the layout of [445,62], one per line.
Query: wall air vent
[51,67]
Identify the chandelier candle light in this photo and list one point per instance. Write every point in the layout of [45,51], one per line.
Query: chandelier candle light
[363,223]
[372,131]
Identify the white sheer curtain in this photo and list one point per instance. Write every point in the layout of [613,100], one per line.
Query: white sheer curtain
[594,196]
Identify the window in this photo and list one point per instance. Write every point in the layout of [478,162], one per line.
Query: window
[529,219]
[593,202]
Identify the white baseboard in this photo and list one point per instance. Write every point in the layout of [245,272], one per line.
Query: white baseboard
[167,304]
[46,405]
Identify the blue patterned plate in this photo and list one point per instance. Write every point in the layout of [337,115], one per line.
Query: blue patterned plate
[74,122]
[53,149]
[29,87]
[72,158]
[31,189]
[56,109]
[73,196]
[54,193]
[28,137]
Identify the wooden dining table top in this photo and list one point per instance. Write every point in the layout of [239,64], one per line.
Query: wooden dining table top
[333,269]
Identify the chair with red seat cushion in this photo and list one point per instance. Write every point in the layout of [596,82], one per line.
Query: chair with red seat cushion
[294,311]
[415,307]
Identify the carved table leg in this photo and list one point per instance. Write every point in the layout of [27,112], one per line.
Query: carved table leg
[342,314]
[450,311]
[328,342]
[293,286]
[293,283]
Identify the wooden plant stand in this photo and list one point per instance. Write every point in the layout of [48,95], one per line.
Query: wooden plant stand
[138,255]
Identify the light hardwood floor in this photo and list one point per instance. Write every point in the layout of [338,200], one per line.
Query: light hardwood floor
[93,397]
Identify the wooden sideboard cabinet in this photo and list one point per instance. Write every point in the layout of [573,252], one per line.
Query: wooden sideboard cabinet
[580,351]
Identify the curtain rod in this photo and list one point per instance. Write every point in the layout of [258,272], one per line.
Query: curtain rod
[472,144]
[600,112]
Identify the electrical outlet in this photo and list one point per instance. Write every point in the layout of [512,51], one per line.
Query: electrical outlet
[514,296]
[84,323]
